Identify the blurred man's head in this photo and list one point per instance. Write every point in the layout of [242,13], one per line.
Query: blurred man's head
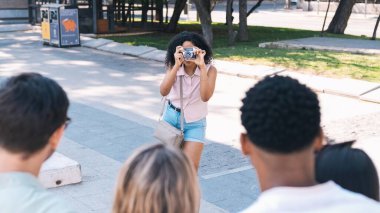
[33,113]
[282,120]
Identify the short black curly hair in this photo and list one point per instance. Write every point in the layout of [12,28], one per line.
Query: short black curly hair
[281,115]
[179,39]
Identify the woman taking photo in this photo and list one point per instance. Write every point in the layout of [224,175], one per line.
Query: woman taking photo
[189,56]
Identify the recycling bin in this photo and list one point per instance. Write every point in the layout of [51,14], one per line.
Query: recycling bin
[62,27]
[45,25]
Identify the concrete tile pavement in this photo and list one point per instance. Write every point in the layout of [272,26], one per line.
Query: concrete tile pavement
[95,192]
[344,87]
[101,151]
[114,95]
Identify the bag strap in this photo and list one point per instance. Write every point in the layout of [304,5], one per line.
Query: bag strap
[181,98]
[163,107]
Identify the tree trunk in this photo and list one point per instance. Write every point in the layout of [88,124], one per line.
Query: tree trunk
[124,17]
[243,27]
[324,22]
[229,19]
[144,12]
[300,4]
[374,31]
[229,10]
[178,7]
[204,12]
[288,4]
[340,19]
[159,11]
[257,5]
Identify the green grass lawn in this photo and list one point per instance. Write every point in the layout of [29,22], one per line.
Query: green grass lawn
[326,63]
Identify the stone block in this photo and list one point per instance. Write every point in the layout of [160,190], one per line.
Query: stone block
[157,55]
[95,43]
[59,170]
[115,47]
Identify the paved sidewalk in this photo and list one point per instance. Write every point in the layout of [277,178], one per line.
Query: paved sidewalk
[362,90]
[114,101]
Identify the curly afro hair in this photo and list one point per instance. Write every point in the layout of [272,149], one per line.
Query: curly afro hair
[179,39]
[281,115]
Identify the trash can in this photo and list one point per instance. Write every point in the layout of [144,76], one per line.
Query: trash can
[62,28]
[45,25]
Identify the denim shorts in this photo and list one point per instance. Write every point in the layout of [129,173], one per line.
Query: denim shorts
[193,131]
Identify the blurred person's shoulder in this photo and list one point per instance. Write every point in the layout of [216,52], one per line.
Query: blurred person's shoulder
[326,197]
[22,192]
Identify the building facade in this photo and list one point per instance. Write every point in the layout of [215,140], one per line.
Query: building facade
[14,11]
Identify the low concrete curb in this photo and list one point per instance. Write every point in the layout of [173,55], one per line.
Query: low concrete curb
[59,170]
[367,47]
[124,49]
[247,71]
[363,90]
[157,55]
[373,96]
[15,27]
[94,43]
[344,87]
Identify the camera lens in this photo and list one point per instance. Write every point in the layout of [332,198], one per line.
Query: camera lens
[187,54]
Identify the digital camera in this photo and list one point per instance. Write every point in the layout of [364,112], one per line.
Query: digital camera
[189,54]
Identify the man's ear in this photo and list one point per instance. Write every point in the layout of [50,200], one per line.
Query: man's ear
[55,138]
[318,142]
[244,142]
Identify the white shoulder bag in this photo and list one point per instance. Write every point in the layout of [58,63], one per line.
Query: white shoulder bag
[167,133]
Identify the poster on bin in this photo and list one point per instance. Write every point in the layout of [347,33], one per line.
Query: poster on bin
[54,27]
[69,27]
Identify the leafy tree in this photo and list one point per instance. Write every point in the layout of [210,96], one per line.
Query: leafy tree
[374,31]
[243,26]
[178,8]
[204,12]
[339,22]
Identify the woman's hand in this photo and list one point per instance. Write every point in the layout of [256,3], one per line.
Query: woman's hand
[200,59]
[178,56]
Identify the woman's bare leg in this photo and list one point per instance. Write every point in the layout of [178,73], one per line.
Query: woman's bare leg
[193,151]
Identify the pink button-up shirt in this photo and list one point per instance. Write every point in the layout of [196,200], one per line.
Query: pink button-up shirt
[193,107]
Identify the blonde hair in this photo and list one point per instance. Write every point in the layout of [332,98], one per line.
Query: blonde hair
[157,179]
